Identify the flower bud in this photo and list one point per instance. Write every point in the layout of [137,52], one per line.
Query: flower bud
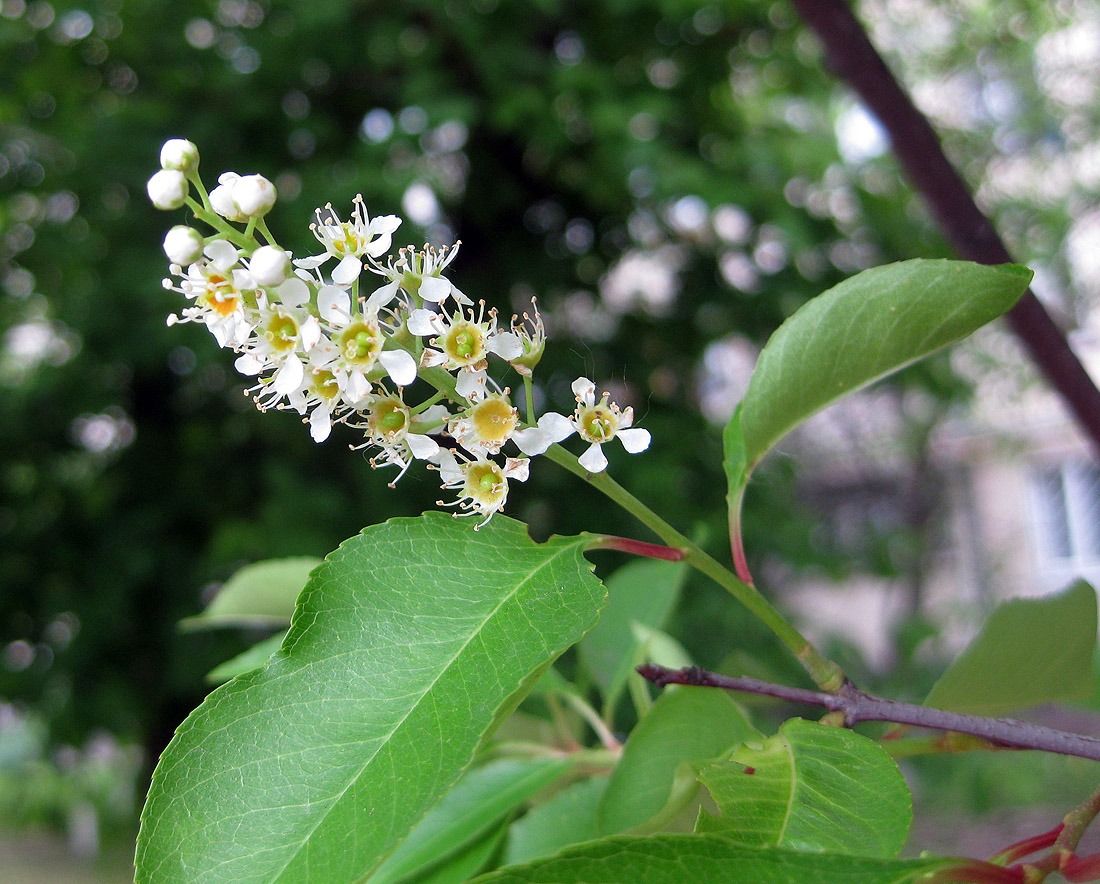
[270,266]
[254,196]
[180,155]
[221,197]
[167,189]
[183,245]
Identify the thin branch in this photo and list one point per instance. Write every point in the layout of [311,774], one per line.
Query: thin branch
[856,705]
[853,57]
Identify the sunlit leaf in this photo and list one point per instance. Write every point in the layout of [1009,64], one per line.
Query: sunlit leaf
[811,787]
[567,818]
[407,645]
[262,594]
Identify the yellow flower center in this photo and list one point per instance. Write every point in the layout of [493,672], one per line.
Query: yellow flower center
[598,423]
[282,332]
[325,385]
[464,343]
[388,419]
[361,342]
[486,484]
[494,419]
[220,295]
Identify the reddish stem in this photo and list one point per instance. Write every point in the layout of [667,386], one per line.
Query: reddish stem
[638,548]
[1028,846]
[1080,868]
[977,872]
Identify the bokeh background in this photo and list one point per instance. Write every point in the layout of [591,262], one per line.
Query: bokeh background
[670,178]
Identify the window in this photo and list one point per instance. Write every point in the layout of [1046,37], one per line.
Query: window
[1067,513]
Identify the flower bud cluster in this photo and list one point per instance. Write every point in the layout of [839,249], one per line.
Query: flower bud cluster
[352,343]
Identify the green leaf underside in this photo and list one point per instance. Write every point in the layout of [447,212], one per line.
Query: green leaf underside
[479,800]
[405,646]
[655,646]
[462,865]
[705,859]
[861,330]
[1029,651]
[567,818]
[642,592]
[811,787]
[685,725]
[262,594]
[246,661]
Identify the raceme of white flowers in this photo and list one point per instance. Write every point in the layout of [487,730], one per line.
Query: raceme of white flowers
[346,341]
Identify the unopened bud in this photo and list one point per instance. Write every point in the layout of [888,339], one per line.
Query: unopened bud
[221,197]
[254,196]
[183,245]
[269,266]
[180,155]
[167,189]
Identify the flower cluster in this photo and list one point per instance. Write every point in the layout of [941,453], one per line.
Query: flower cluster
[351,341]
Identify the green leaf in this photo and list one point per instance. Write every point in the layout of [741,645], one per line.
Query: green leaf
[567,818]
[262,594]
[811,787]
[461,866]
[1029,651]
[706,859]
[857,332]
[479,800]
[642,592]
[407,645]
[658,647]
[654,776]
[246,661]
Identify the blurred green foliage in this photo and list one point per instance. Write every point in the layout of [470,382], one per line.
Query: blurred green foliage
[661,174]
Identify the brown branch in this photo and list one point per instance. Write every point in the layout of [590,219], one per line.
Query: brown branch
[853,57]
[856,705]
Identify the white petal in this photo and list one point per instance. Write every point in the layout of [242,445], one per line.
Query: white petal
[506,345]
[434,289]
[449,469]
[357,388]
[334,304]
[433,415]
[458,296]
[532,440]
[584,390]
[380,245]
[310,333]
[223,254]
[517,468]
[347,271]
[422,447]
[422,322]
[593,459]
[320,423]
[249,364]
[399,365]
[384,224]
[469,382]
[313,262]
[634,440]
[380,297]
[558,426]
[293,292]
[289,377]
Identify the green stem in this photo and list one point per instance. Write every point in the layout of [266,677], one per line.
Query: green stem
[826,674]
[529,398]
[220,224]
[427,403]
[261,225]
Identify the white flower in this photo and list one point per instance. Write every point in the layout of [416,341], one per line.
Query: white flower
[463,342]
[217,287]
[167,189]
[221,197]
[183,244]
[487,424]
[401,435]
[420,273]
[532,338]
[482,485]
[269,266]
[320,396]
[179,154]
[350,240]
[600,422]
[253,195]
